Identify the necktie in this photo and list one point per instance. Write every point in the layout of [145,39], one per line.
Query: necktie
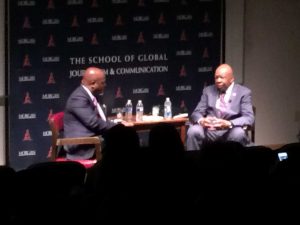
[100,111]
[222,105]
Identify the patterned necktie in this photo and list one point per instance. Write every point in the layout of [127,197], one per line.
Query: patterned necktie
[95,101]
[100,111]
[222,105]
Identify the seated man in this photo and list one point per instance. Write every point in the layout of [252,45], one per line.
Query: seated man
[224,109]
[83,115]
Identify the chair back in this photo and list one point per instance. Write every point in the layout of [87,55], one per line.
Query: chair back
[57,120]
[56,123]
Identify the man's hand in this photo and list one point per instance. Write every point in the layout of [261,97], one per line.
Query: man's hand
[222,124]
[207,122]
[214,123]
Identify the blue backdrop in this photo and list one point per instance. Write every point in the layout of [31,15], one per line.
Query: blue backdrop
[150,50]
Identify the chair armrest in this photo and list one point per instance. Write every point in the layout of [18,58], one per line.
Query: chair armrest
[81,141]
[78,141]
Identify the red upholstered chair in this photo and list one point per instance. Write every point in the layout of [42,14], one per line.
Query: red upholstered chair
[56,126]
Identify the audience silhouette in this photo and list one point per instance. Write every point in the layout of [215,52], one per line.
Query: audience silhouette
[161,182]
[112,184]
[7,193]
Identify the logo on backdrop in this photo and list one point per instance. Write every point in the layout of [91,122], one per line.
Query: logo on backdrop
[119,93]
[50,4]
[27,98]
[161,90]
[51,42]
[51,79]
[27,136]
[182,71]
[26,61]
[26,23]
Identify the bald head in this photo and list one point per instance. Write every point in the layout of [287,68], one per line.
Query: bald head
[223,77]
[94,79]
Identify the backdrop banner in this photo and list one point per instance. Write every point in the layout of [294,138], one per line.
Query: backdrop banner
[150,50]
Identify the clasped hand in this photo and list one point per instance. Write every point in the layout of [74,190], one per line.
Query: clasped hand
[214,123]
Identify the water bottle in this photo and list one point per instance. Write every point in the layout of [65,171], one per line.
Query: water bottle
[167,109]
[139,111]
[128,110]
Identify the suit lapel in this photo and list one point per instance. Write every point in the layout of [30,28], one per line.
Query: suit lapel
[215,95]
[233,93]
[83,91]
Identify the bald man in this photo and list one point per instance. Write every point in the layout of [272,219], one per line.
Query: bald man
[83,115]
[224,109]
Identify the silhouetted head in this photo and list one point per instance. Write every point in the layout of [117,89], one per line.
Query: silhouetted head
[121,140]
[165,138]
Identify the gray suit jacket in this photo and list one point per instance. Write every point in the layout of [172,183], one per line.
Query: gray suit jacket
[239,109]
[81,120]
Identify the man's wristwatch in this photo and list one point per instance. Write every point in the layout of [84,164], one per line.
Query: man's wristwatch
[231,125]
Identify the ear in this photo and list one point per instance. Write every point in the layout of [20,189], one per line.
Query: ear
[92,86]
[93,83]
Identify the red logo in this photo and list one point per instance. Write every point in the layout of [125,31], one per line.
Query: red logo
[182,71]
[119,93]
[141,3]
[183,36]
[74,22]
[183,108]
[206,18]
[94,4]
[94,40]
[27,136]
[119,21]
[205,53]
[51,79]
[161,91]
[161,19]
[51,42]
[26,61]
[27,98]
[182,104]
[51,5]
[26,23]
[141,38]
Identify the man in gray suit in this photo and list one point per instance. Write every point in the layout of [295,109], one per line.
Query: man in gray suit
[83,115]
[224,109]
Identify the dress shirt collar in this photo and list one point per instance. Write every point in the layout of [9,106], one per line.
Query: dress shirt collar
[228,92]
[89,92]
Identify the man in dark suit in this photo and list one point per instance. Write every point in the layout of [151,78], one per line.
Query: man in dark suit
[83,115]
[224,109]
